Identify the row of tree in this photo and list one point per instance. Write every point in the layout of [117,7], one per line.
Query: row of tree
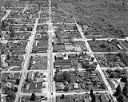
[121,94]
[65,76]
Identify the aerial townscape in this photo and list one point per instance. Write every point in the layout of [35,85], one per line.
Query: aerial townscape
[64,51]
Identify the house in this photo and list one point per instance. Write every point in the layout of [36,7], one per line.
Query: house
[60,86]
[30,76]
[59,63]
[75,85]
[101,98]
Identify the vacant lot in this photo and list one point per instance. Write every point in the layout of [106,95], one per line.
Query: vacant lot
[38,63]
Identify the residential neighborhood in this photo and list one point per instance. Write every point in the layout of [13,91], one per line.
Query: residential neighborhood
[64,51]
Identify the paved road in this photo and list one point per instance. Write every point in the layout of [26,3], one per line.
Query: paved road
[50,56]
[92,54]
[98,66]
[8,12]
[79,93]
[39,54]
[100,39]
[52,94]
[106,52]
[114,68]
[27,59]
[25,8]
[23,71]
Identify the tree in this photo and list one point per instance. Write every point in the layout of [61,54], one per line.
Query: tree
[12,35]
[12,32]
[92,58]
[62,96]
[124,79]
[56,5]
[29,28]
[100,98]
[4,25]
[15,89]
[8,57]
[39,5]
[103,45]
[91,93]
[124,4]
[17,81]
[103,86]
[86,33]
[113,74]
[10,96]
[109,48]
[93,98]
[66,88]
[85,64]
[58,78]
[118,91]
[33,97]
[7,3]
[109,100]
[93,39]
[67,76]
[120,98]
[125,89]
[75,28]
[31,1]
[10,28]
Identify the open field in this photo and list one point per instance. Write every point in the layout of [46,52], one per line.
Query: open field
[103,16]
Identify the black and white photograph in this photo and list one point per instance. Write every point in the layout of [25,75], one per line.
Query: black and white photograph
[64,51]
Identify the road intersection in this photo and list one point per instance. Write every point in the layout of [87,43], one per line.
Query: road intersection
[51,92]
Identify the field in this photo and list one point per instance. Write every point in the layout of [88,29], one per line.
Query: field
[108,17]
